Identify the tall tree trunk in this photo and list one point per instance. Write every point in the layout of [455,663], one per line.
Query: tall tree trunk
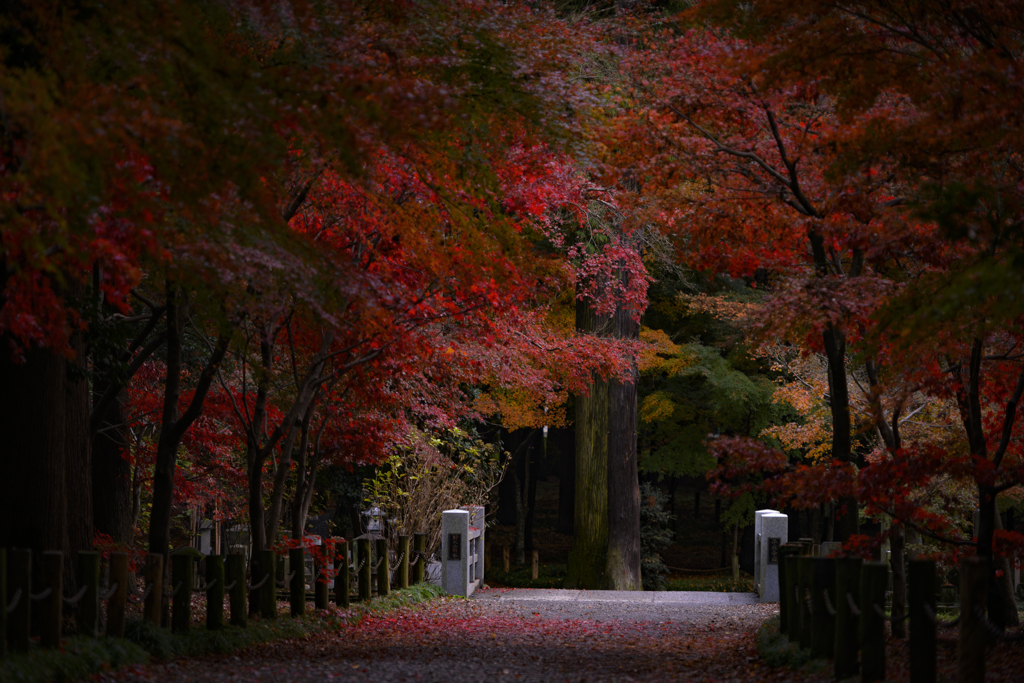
[533,462]
[174,424]
[623,560]
[112,475]
[566,481]
[167,443]
[587,560]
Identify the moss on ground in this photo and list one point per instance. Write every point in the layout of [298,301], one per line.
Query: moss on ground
[80,657]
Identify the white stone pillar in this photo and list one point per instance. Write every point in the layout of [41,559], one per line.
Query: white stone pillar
[757,547]
[455,557]
[774,532]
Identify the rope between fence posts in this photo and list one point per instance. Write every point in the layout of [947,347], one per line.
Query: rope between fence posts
[145,594]
[287,580]
[360,566]
[76,597]
[14,601]
[829,607]
[995,631]
[374,567]
[935,620]
[231,585]
[854,610]
[42,596]
[810,603]
[260,584]
[171,594]
[206,587]
[109,594]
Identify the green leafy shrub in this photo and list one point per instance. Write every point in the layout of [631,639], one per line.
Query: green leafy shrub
[655,536]
[775,648]
[548,576]
[714,583]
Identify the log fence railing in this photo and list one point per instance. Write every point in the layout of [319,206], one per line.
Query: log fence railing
[837,608]
[225,580]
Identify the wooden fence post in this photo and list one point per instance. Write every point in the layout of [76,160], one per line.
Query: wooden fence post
[973,593]
[921,580]
[266,594]
[847,623]
[214,592]
[364,569]
[823,582]
[535,566]
[181,596]
[52,612]
[420,543]
[234,574]
[874,576]
[383,571]
[805,576]
[342,580]
[19,583]
[297,584]
[118,601]
[87,614]
[403,565]
[791,626]
[3,603]
[154,573]
[505,558]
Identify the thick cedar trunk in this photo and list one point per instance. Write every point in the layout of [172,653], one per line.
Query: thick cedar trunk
[566,482]
[623,562]
[587,560]
[33,488]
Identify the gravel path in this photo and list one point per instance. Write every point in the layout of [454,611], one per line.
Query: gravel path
[515,635]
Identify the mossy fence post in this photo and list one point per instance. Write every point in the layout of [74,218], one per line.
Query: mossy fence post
[420,545]
[921,580]
[383,570]
[364,569]
[847,621]
[297,582]
[403,562]
[974,573]
[823,590]
[3,603]
[785,599]
[181,592]
[214,592]
[873,579]
[154,573]
[235,576]
[52,606]
[118,600]
[341,581]
[805,575]
[87,614]
[19,584]
[791,626]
